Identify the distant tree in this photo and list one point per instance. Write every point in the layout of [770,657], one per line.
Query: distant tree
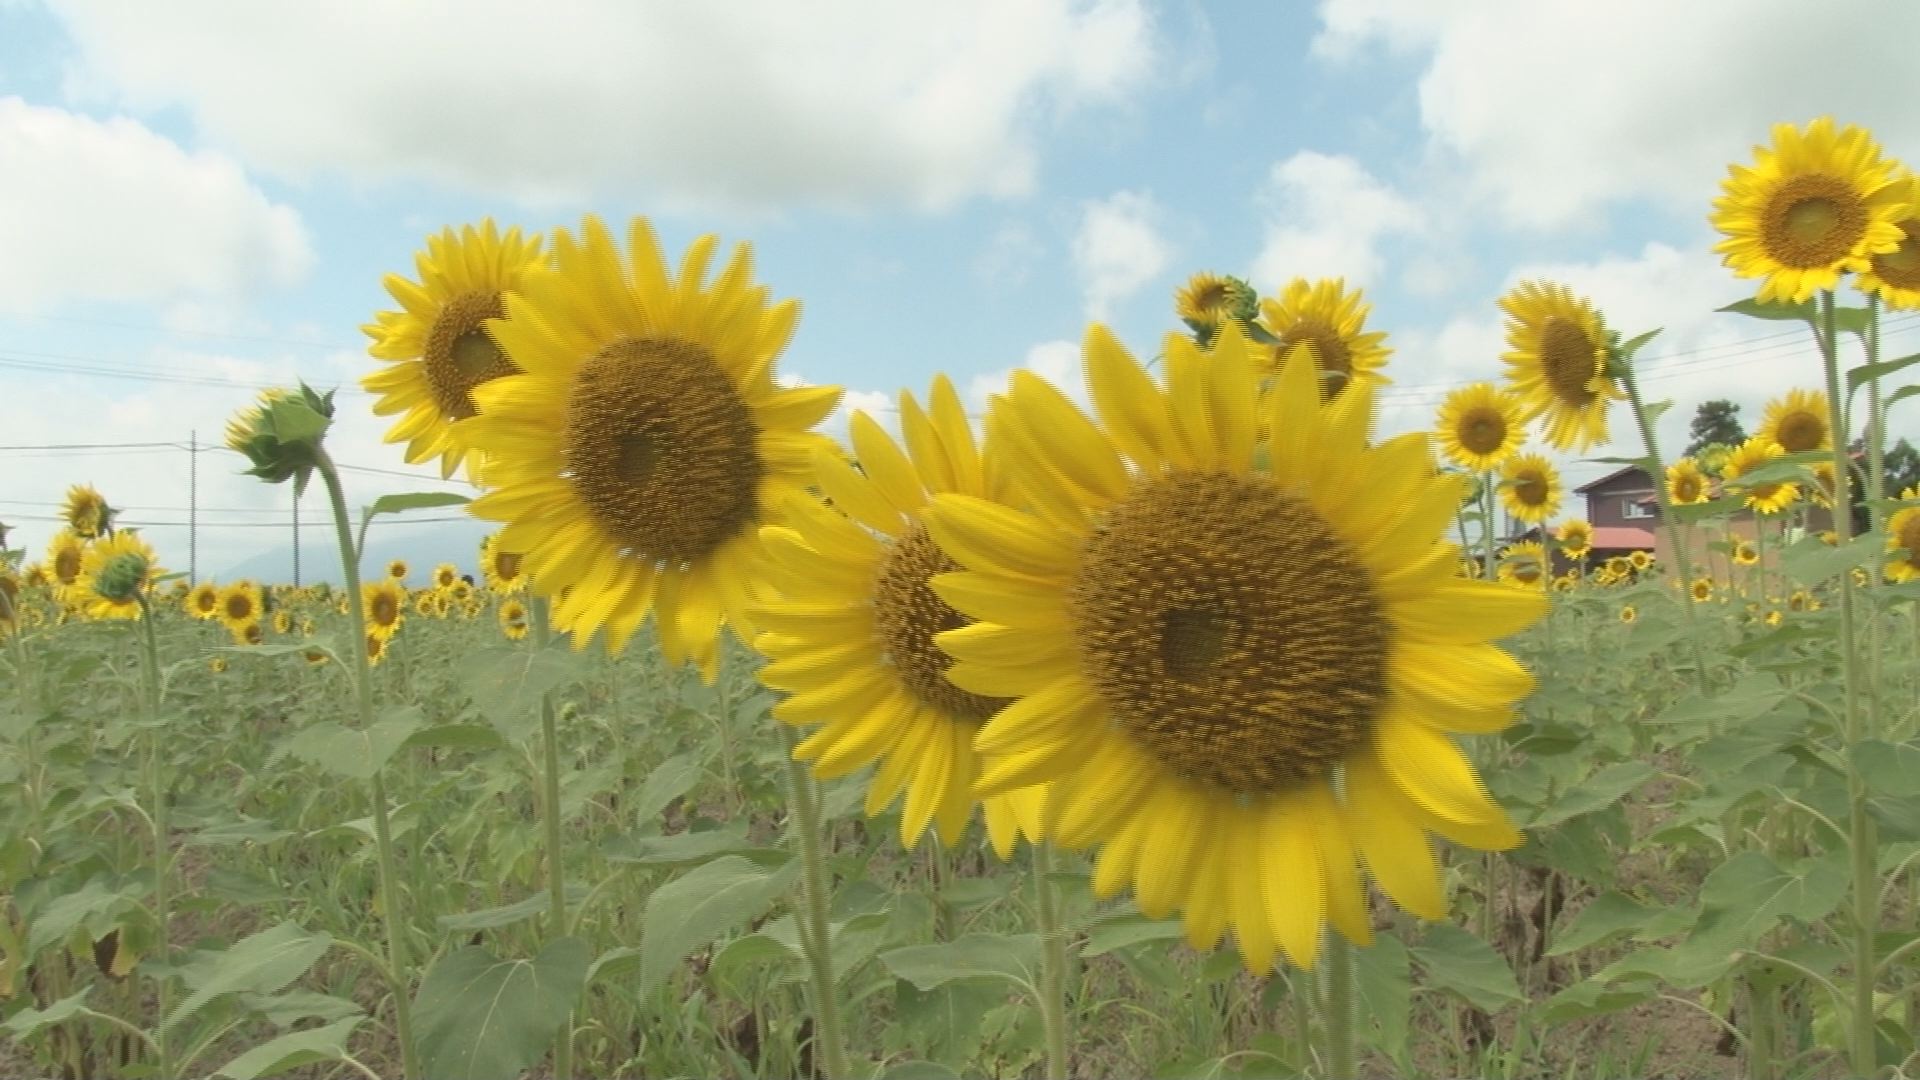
[1902,463]
[1716,421]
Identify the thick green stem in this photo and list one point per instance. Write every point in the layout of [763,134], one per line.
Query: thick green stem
[1763,1032]
[1657,473]
[550,811]
[830,1051]
[162,834]
[1053,962]
[1487,552]
[382,826]
[1340,1011]
[1854,720]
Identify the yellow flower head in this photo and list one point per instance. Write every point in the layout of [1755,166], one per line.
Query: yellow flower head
[1818,203]
[1701,590]
[203,602]
[1525,564]
[1207,301]
[1769,497]
[1797,421]
[1686,484]
[1903,540]
[513,619]
[1479,426]
[384,604]
[1530,488]
[1557,362]
[1324,316]
[87,512]
[397,569]
[1894,276]
[501,567]
[442,343]
[240,605]
[1628,615]
[1745,553]
[1576,537]
[1239,667]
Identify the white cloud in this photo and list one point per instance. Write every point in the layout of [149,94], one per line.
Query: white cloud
[1557,108]
[1058,362]
[1118,249]
[1325,217]
[757,103]
[1009,256]
[111,211]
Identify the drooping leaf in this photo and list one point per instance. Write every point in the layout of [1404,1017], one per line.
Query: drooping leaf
[1014,958]
[28,1022]
[355,753]
[481,1017]
[1120,931]
[261,963]
[292,1050]
[668,781]
[1597,792]
[1453,959]
[413,500]
[1595,998]
[700,907]
[1383,974]
[1607,916]
[506,684]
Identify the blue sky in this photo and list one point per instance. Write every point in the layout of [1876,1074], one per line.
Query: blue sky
[199,198]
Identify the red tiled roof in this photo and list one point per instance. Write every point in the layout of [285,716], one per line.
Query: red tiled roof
[1622,536]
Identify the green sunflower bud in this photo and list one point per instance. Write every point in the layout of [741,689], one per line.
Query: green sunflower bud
[282,434]
[121,578]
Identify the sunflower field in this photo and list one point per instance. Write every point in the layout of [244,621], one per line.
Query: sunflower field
[1200,731]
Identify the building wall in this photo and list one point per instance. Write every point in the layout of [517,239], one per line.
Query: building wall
[1607,503]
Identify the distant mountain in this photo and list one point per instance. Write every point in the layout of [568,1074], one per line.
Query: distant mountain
[422,546]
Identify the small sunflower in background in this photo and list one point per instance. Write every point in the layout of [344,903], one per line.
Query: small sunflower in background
[445,575]
[217,665]
[1207,301]
[240,606]
[1629,615]
[376,647]
[500,568]
[1575,536]
[1686,484]
[9,601]
[35,576]
[441,344]
[1745,553]
[1774,617]
[1524,564]
[1903,532]
[850,622]
[1529,488]
[397,569]
[203,602]
[1238,667]
[646,441]
[513,619]
[385,605]
[1763,498]
[1640,560]
[426,603]
[1331,321]
[1802,600]
[65,552]
[1797,421]
[306,626]
[1818,203]
[1479,426]
[86,512]
[282,621]
[249,634]
[1701,590]
[1557,363]
[1894,276]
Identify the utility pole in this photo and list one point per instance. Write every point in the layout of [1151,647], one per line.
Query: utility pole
[193,507]
[295,492]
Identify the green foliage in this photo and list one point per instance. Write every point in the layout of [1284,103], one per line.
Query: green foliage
[1715,421]
[482,1017]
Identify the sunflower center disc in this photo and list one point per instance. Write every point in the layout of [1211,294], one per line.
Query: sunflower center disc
[384,611]
[1813,220]
[1566,358]
[459,353]
[662,450]
[1801,431]
[1530,489]
[1900,267]
[1483,432]
[1330,352]
[66,565]
[1686,489]
[907,614]
[1230,631]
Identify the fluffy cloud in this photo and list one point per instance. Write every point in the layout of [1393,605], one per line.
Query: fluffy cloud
[758,103]
[111,211]
[1118,249]
[1555,109]
[1058,362]
[1325,217]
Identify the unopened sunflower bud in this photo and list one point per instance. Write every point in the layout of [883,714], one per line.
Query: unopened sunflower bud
[120,580]
[282,433]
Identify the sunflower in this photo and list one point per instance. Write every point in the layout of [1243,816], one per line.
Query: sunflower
[1802,600]
[1774,617]
[9,601]
[1641,561]
[500,567]
[87,512]
[1207,301]
[444,341]
[1557,362]
[1816,204]
[397,569]
[1702,590]
[1686,484]
[1524,564]
[64,555]
[1767,498]
[1797,421]
[306,626]
[445,575]
[850,635]
[282,621]
[1903,531]
[204,601]
[1530,488]
[240,605]
[1745,553]
[248,634]
[1628,615]
[36,576]
[1329,320]
[314,657]
[1478,426]
[513,620]
[376,649]
[217,665]
[426,604]
[1238,666]
[635,461]
[1576,537]
[384,603]
[1894,276]
[1620,566]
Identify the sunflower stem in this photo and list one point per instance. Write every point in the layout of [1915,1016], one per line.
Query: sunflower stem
[830,1053]
[382,827]
[1053,962]
[162,835]
[1855,721]
[1340,1010]
[1486,524]
[550,810]
[1657,473]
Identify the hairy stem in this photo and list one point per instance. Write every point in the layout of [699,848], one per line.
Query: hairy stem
[830,1049]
